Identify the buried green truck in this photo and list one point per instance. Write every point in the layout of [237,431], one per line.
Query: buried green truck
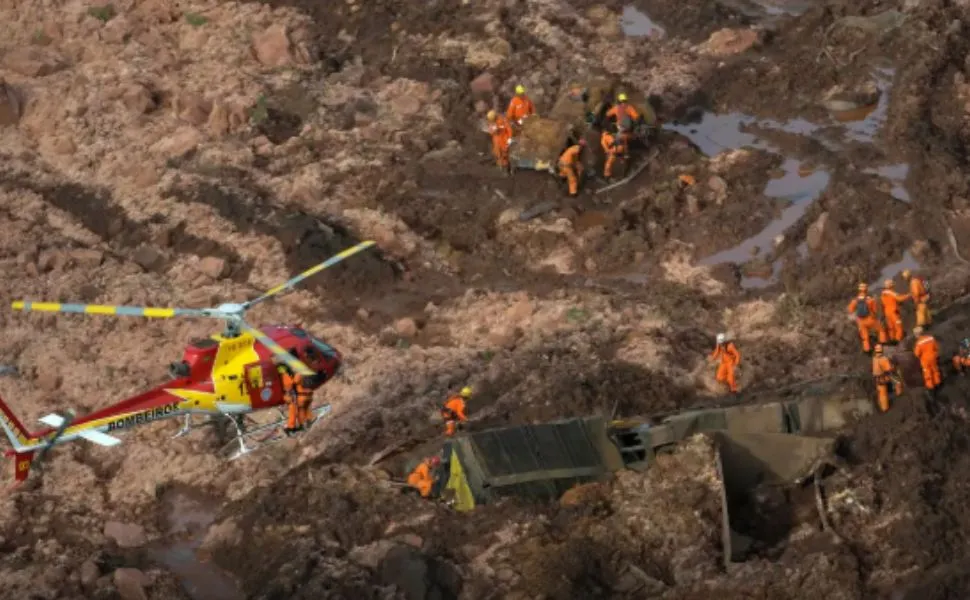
[776,443]
[539,142]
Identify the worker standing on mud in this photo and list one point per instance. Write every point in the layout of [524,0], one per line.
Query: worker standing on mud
[571,166]
[863,309]
[422,477]
[919,292]
[961,360]
[520,107]
[622,109]
[288,383]
[927,350]
[730,358]
[614,147]
[885,373]
[453,411]
[501,132]
[891,299]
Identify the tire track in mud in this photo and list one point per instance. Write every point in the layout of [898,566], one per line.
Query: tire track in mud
[127,239]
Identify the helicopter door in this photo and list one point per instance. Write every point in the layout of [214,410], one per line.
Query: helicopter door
[263,385]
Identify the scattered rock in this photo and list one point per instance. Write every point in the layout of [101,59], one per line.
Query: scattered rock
[131,584]
[405,106]
[718,189]
[87,257]
[192,108]
[726,42]
[483,84]
[274,48]
[406,327]
[138,99]
[32,61]
[218,123]
[126,535]
[214,267]
[816,232]
[220,535]
[11,105]
[148,258]
[488,54]
[117,31]
[47,377]
[842,98]
[89,573]
[182,141]
[372,554]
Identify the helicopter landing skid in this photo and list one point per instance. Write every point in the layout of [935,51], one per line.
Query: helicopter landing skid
[251,436]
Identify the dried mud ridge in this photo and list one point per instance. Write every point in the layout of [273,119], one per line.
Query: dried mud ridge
[793,206]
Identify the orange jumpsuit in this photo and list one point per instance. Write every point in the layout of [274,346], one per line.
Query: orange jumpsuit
[927,350]
[890,311]
[921,298]
[501,133]
[623,109]
[421,478]
[961,362]
[299,399]
[571,167]
[883,371]
[864,309]
[520,107]
[453,413]
[730,358]
[614,149]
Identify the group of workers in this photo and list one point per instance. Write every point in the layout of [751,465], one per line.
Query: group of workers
[615,144]
[422,478]
[889,331]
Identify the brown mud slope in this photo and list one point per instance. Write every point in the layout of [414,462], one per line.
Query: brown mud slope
[158,153]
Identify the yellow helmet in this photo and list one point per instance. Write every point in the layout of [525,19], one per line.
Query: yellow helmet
[466,392]
[621,97]
[888,284]
[519,90]
[906,274]
[491,116]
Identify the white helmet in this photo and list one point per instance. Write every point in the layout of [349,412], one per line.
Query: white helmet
[721,338]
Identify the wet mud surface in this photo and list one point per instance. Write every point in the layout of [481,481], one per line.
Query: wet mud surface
[831,152]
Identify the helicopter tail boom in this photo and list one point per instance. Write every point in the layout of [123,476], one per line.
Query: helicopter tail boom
[20,440]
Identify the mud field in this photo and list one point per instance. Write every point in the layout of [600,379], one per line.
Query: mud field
[187,154]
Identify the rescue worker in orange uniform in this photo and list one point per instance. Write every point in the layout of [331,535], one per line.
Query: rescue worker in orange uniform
[622,109]
[298,399]
[422,477]
[571,165]
[453,411]
[863,309]
[520,106]
[890,300]
[501,132]
[919,292]
[961,360]
[730,358]
[614,147]
[927,350]
[885,373]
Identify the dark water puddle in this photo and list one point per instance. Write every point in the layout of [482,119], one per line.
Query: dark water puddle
[187,516]
[799,184]
[635,23]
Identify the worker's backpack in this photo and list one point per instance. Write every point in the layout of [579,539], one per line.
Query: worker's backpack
[862,308]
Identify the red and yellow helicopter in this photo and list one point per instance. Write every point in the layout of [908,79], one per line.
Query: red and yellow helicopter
[226,375]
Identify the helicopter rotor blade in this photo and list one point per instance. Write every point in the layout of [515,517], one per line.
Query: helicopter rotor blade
[122,311]
[288,285]
[293,362]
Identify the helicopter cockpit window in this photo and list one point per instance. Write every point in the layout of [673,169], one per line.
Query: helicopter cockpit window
[311,354]
[327,350]
[298,332]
